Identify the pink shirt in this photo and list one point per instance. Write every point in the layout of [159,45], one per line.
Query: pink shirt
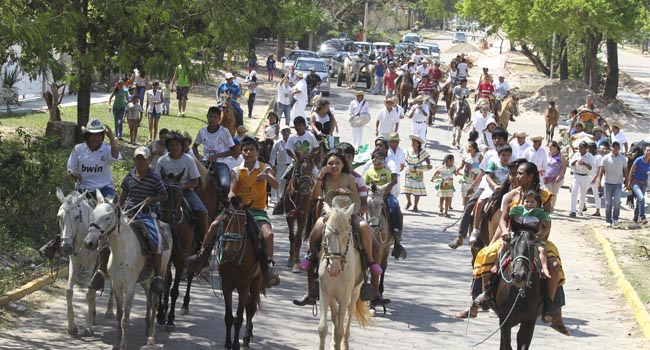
[389,80]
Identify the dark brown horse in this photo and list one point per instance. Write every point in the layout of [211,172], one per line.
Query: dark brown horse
[519,292]
[298,205]
[459,121]
[175,211]
[240,270]
[405,89]
[448,94]
[209,191]
[228,119]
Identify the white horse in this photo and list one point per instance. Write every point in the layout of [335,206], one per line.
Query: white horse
[72,218]
[125,264]
[351,67]
[340,274]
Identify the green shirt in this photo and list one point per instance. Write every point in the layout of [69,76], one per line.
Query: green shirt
[377,177]
[119,99]
[181,76]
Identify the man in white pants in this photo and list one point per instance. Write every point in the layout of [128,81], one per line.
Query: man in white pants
[582,162]
[299,92]
[419,114]
[595,179]
[358,106]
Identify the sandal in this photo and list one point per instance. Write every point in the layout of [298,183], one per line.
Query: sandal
[464,314]
[561,329]
[415,210]
[408,205]
[447,215]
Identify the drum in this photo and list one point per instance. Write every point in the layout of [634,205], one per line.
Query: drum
[360,119]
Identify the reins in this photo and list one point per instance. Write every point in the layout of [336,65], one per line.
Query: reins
[226,236]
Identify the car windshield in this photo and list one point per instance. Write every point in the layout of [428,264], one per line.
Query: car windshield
[434,48]
[293,55]
[459,35]
[306,65]
[424,50]
[411,38]
[332,46]
[359,46]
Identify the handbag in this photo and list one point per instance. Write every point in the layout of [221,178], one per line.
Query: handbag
[247,95]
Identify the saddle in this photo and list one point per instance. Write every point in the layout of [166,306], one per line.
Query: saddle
[146,245]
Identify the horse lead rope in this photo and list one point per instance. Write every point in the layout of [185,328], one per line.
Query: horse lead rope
[519,294]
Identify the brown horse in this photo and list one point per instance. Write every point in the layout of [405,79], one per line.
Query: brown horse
[448,94]
[175,211]
[509,109]
[228,119]
[519,293]
[405,89]
[209,192]
[459,121]
[551,116]
[298,205]
[378,221]
[239,269]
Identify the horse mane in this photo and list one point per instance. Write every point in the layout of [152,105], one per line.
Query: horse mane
[203,172]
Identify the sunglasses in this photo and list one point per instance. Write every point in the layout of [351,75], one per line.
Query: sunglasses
[378,160]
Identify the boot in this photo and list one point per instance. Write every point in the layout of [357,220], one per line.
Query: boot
[483,301]
[196,262]
[457,242]
[398,250]
[312,291]
[271,278]
[548,314]
[158,285]
[379,300]
[99,277]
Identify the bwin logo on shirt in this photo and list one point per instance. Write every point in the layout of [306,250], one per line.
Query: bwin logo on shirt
[92,169]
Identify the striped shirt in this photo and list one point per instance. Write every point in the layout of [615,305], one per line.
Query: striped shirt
[138,190]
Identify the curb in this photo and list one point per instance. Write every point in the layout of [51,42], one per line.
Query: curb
[30,287]
[640,312]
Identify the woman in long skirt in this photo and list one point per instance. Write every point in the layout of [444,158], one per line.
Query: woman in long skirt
[416,157]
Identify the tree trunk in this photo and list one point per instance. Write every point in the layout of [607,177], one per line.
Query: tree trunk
[281,46]
[590,71]
[85,71]
[535,60]
[564,58]
[611,84]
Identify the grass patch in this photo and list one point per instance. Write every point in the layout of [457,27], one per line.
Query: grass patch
[633,260]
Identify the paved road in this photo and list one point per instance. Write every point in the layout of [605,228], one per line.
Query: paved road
[635,64]
[426,289]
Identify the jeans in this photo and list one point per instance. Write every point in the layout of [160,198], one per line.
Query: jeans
[284,109]
[140,90]
[394,212]
[612,200]
[251,101]
[239,113]
[152,228]
[166,105]
[118,115]
[194,201]
[379,84]
[639,192]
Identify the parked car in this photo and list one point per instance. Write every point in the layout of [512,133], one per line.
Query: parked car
[461,27]
[359,45]
[293,55]
[304,64]
[433,49]
[458,37]
[411,38]
[404,48]
[330,47]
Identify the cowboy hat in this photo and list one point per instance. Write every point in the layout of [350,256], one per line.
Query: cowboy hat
[300,75]
[616,125]
[580,123]
[93,126]
[597,128]
[316,98]
[418,139]
[521,134]
[359,93]
[536,138]
[418,99]
[336,200]
[393,137]
[387,100]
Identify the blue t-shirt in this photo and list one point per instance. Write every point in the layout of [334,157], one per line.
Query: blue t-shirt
[233,88]
[641,171]
[380,70]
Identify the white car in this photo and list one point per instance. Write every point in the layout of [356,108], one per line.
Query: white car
[304,64]
[293,56]
[458,37]
[432,51]
[411,38]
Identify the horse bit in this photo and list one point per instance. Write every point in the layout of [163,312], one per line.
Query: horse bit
[336,256]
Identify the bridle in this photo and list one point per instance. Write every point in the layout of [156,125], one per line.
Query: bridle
[529,260]
[176,211]
[330,256]
[74,222]
[113,225]
[226,235]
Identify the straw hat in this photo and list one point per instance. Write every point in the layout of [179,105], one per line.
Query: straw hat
[393,137]
[616,125]
[359,93]
[418,139]
[343,201]
[537,138]
[597,128]
[521,134]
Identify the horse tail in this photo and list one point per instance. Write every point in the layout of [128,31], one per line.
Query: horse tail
[362,314]
[203,172]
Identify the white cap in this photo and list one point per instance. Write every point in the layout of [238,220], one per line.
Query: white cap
[229,75]
[142,151]
[285,127]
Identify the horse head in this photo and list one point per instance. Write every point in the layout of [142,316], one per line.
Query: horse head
[375,204]
[337,235]
[103,220]
[304,175]
[232,238]
[226,97]
[523,251]
[170,207]
[72,219]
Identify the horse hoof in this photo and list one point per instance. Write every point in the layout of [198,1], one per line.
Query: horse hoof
[373,313]
[296,268]
[245,343]
[88,333]
[151,341]
[109,314]
[185,311]
[161,319]
[170,327]
[74,331]
[290,262]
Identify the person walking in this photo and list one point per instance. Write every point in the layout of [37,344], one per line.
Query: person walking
[637,182]
[358,108]
[283,104]
[419,116]
[387,119]
[582,162]
[154,109]
[251,81]
[118,106]
[446,186]
[416,157]
[380,69]
[299,93]
[555,170]
[596,185]
[182,82]
[270,67]
[389,80]
[614,169]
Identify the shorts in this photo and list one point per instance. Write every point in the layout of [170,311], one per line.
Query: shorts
[181,92]
[260,215]
[194,201]
[153,115]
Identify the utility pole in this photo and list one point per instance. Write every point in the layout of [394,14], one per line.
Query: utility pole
[552,54]
[365,22]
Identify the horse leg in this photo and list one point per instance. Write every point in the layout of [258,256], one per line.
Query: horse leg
[344,306]
[239,318]
[251,309]
[525,335]
[351,311]
[228,318]
[322,324]
[171,315]
[90,320]
[161,317]
[151,309]
[302,223]
[293,258]
[69,293]
[505,337]
[185,309]
[119,304]
[109,305]
[335,311]
[129,292]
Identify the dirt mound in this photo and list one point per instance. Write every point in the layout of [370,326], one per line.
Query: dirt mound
[462,48]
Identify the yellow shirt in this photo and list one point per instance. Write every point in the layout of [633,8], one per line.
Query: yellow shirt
[377,177]
[248,188]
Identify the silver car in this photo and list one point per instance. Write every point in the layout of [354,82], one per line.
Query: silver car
[459,37]
[304,64]
[293,56]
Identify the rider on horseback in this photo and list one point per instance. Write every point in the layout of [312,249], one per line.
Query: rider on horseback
[235,92]
[140,188]
[461,92]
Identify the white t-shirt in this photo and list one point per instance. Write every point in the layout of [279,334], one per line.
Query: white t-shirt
[176,166]
[387,120]
[479,121]
[598,162]
[620,138]
[500,89]
[284,94]
[579,168]
[153,99]
[214,143]
[303,144]
[134,110]
[518,150]
[462,70]
[539,157]
[92,166]
[422,70]
[301,86]
[358,107]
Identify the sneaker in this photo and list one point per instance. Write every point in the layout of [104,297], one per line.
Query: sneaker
[572,215]
[644,221]
[609,224]
[180,114]
[615,223]
[474,237]
[456,243]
